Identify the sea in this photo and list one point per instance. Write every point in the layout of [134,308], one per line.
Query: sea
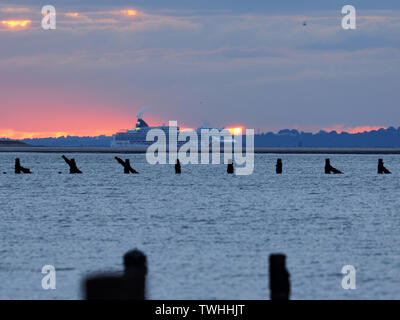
[206,234]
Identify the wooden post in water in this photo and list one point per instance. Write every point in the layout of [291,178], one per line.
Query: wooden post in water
[381,168]
[230,167]
[20,169]
[72,165]
[127,165]
[279,277]
[178,167]
[130,286]
[279,166]
[329,169]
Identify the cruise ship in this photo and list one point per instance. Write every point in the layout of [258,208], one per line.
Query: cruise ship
[136,137]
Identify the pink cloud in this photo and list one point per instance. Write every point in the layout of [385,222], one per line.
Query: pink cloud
[358,129]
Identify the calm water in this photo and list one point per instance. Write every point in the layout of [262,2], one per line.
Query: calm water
[206,234]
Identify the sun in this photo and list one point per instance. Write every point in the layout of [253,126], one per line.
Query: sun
[236,131]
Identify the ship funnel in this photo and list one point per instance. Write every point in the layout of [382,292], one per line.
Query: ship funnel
[141,112]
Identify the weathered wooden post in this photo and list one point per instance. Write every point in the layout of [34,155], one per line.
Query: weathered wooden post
[127,165]
[329,169]
[279,277]
[20,169]
[230,167]
[72,165]
[381,168]
[178,167]
[279,166]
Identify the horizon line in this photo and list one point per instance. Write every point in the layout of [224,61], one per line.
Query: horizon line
[15,135]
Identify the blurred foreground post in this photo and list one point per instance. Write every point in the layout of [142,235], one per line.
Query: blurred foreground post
[279,277]
[130,286]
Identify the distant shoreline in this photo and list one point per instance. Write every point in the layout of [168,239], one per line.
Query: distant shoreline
[260,150]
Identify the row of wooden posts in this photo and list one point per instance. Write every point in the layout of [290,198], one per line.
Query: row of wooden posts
[131,285]
[73,168]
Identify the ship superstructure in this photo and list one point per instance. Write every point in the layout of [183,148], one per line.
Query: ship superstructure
[137,137]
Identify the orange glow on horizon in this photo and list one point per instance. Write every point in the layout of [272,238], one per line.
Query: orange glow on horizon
[104,127]
[19,135]
[129,12]
[12,24]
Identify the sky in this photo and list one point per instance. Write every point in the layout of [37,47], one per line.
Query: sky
[229,62]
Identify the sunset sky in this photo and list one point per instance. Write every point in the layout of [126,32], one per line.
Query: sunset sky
[230,62]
